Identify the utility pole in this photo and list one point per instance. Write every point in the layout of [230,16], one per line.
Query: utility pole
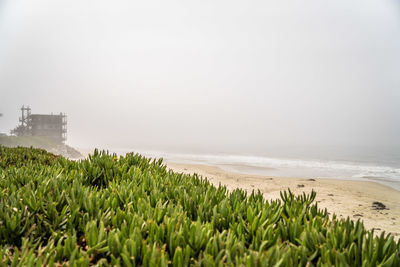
[1,115]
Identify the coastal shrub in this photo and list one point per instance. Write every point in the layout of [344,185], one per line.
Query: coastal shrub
[133,211]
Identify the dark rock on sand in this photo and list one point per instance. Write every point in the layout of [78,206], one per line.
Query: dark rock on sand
[376,205]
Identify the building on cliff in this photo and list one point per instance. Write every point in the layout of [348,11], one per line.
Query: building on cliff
[48,125]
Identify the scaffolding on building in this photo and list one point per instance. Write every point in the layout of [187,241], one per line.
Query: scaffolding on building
[53,126]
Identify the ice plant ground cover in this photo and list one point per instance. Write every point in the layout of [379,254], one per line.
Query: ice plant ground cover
[133,211]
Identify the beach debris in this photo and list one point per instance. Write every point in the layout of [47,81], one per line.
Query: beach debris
[376,205]
[313,180]
[300,185]
[331,195]
[358,215]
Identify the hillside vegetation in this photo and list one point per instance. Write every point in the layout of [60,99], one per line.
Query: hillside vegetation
[42,142]
[132,211]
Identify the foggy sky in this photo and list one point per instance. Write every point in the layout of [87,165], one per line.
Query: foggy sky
[210,75]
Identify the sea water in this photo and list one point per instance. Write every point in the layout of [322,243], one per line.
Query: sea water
[377,165]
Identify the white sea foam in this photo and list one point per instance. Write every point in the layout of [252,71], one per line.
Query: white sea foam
[388,175]
[290,167]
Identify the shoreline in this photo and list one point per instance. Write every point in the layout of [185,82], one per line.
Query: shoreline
[346,198]
[388,175]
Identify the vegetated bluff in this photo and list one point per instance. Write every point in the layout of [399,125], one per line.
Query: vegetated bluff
[42,142]
[132,211]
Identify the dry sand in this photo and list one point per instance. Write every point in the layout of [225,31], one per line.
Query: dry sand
[345,198]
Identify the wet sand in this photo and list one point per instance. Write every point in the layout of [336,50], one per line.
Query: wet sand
[354,199]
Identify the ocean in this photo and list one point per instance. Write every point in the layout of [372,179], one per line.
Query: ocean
[376,165]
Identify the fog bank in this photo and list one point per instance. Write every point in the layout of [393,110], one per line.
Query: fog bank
[240,76]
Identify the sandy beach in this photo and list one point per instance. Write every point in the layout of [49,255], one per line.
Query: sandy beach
[354,199]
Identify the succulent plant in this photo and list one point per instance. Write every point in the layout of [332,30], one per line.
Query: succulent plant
[133,211]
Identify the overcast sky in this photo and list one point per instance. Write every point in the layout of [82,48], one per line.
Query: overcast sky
[215,75]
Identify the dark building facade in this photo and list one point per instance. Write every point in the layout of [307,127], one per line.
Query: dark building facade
[53,126]
[48,125]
